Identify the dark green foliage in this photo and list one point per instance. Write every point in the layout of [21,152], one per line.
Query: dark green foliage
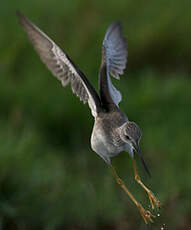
[49,176]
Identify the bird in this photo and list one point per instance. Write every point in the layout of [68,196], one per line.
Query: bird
[112,131]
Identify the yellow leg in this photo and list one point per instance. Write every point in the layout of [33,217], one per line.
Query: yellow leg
[147,216]
[153,200]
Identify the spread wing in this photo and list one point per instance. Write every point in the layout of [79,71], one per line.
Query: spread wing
[114,56]
[61,65]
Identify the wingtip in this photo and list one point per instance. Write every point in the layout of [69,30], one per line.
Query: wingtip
[18,12]
[115,27]
[116,24]
[24,21]
[20,16]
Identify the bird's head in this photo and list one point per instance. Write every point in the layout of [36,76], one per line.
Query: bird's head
[131,135]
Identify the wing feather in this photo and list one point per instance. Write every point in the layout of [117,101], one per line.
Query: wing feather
[115,56]
[61,65]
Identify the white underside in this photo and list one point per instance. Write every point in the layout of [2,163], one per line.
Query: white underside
[105,149]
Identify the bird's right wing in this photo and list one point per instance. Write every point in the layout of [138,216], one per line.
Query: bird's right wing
[61,65]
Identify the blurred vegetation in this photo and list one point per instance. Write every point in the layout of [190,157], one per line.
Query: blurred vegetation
[49,176]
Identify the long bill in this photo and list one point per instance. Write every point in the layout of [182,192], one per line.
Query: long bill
[137,148]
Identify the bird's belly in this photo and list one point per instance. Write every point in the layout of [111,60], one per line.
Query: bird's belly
[103,146]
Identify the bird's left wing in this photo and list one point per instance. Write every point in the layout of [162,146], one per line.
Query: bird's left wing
[61,65]
[114,55]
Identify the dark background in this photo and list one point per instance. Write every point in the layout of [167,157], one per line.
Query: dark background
[49,176]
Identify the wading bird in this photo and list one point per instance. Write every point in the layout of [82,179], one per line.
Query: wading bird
[112,131]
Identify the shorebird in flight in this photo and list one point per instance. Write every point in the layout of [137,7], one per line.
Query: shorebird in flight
[112,131]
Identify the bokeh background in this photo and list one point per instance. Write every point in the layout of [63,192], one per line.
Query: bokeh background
[49,176]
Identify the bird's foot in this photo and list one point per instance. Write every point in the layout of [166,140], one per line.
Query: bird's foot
[147,215]
[153,200]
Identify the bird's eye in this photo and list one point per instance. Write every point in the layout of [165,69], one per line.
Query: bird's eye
[127,137]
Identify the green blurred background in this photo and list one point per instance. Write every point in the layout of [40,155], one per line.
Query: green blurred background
[49,176]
